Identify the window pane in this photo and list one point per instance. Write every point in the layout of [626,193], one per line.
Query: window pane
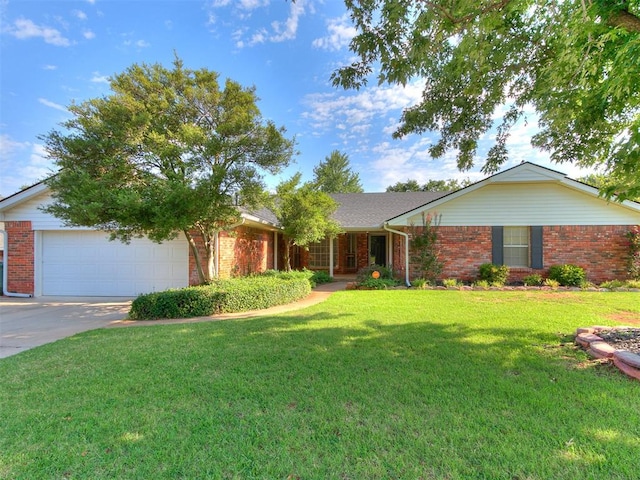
[516,256]
[516,246]
[319,254]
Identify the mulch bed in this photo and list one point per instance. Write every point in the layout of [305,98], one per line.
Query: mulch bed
[622,338]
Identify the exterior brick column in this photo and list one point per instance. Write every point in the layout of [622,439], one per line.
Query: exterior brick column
[19,253]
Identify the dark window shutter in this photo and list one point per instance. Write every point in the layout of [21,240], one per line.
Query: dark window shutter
[497,255]
[536,248]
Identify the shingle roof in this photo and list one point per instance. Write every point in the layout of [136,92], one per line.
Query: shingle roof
[371,210]
[366,210]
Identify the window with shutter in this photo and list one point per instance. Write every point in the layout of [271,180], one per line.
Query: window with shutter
[516,246]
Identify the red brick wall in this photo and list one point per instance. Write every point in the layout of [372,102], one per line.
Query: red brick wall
[601,250]
[463,250]
[247,250]
[20,257]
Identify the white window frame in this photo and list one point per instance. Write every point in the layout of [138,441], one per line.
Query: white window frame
[509,244]
[320,254]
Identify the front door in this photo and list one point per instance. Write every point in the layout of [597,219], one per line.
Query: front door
[378,249]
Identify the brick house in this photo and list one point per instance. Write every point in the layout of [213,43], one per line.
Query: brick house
[528,217]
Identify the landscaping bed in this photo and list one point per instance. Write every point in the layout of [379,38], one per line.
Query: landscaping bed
[619,345]
[622,338]
[223,296]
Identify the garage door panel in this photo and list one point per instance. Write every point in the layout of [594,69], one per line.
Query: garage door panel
[88,264]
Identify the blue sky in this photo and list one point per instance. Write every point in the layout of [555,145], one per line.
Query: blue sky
[56,52]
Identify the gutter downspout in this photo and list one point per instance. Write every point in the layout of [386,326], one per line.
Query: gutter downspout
[5,261]
[406,251]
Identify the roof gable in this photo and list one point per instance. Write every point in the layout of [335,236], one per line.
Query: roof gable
[514,191]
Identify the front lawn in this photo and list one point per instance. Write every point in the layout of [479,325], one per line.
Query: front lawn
[367,385]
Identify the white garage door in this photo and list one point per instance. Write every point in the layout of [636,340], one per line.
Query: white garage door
[82,263]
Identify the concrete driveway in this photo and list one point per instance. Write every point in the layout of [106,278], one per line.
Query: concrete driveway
[29,322]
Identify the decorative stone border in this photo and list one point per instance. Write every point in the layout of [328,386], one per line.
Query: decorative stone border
[627,362]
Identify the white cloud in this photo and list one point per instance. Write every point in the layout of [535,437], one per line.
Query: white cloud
[8,146]
[288,29]
[24,29]
[137,43]
[97,78]
[53,105]
[257,38]
[376,102]
[50,67]
[252,4]
[34,164]
[79,14]
[278,30]
[88,34]
[340,33]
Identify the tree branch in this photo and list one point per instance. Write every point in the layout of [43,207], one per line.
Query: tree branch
[499,5]
[626,20]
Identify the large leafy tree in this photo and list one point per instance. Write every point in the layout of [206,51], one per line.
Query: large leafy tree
[577,63]
[448,185]
[304,214]
[168,151]
[334,175]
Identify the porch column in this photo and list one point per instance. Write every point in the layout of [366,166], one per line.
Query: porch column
[331,257]
[275,250]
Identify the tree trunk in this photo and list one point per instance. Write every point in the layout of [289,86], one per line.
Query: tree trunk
[287,255]
[210,249]
[196,256]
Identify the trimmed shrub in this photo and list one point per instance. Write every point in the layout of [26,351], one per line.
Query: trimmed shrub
[186,302]
[378,283]
[495,275]
[320,276]
[633,283]
[221,296]
[612,284]
[451,282]
[567,275]
[365,273]
[420,283]
[533,280]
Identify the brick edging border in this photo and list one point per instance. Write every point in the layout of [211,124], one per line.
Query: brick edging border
[627,362]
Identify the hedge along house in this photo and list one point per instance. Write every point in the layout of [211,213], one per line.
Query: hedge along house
[527,217]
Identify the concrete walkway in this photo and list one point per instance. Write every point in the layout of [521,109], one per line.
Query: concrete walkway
[30,322]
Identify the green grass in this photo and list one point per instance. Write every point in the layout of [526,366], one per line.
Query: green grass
[367,385]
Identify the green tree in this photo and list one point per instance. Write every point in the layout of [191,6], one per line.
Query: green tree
[448,185]
[334,175]
[576,63]
[605,183]
[169,151]
[304,214]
